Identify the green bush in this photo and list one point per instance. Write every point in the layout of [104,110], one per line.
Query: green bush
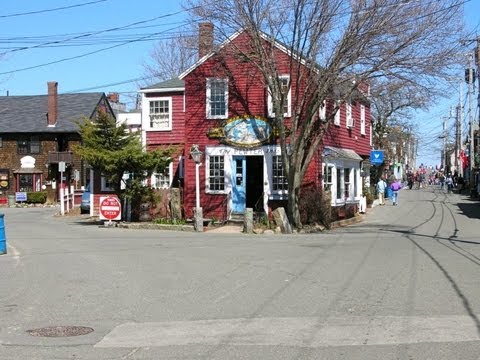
[39,197]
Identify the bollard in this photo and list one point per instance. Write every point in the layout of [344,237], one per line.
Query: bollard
[3,239]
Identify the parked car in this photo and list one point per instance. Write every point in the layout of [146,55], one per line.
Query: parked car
[85,204]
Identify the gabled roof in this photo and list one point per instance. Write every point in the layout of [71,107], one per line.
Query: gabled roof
[263,35]
[174,84]
[28,114]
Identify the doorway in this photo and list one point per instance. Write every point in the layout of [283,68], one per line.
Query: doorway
[247,183]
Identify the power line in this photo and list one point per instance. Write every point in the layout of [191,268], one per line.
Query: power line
[78,56]
[51,10]
[96,32]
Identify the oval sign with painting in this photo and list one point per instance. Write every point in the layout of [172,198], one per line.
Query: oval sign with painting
[247,131]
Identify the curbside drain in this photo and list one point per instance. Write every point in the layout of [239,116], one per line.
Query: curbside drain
[60,331]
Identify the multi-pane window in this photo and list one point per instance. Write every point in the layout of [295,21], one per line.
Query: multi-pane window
[279,180]
[346,174]
[362,119]
[29,146]
[339,184]
[327,176]
[285,93]
[217,98]
[162,180]
[349,114]
[160,114]
[322,111]
[284,89]
[336,119]
[216,170]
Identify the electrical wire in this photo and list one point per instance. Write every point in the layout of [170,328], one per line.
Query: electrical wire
[50,10]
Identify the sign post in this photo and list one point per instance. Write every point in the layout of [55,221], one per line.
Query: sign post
[110,209]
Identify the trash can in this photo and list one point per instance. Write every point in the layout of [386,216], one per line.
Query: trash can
[3,240]
[389,193]
[11,200]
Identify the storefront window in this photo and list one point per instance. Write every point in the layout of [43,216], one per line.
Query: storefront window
[279,180]
[26,182]
[216,173]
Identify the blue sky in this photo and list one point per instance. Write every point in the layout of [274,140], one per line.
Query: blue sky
[104,70]
[99,70]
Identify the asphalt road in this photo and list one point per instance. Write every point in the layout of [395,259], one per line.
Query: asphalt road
[402,284]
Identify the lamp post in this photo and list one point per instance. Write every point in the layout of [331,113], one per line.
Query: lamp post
[196,155]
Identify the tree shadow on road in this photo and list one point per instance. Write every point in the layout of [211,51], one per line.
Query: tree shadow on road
[470,209]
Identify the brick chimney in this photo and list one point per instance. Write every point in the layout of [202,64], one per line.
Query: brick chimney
[205,39]
[52,112]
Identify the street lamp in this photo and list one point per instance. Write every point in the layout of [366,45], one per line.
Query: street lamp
[196,155]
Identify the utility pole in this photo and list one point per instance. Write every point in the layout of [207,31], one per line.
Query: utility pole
[445,144]
[470,117]
[460,124]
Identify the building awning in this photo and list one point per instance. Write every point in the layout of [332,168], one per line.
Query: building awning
[339,153]
[27,171]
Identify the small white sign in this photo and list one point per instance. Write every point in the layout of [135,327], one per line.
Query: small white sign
[21,196]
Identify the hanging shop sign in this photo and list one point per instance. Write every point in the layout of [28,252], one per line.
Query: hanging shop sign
[376,157]
[247,131]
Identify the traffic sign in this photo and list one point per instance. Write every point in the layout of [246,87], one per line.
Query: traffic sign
[110,208]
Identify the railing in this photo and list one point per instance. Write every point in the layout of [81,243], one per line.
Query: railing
[54,157]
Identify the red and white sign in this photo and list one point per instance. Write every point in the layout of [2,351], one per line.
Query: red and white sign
[110,208]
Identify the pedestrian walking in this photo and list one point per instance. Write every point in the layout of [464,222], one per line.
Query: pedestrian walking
[449,182]
[396,186]
[381,187]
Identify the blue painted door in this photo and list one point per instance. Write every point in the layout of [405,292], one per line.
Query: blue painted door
[239,172]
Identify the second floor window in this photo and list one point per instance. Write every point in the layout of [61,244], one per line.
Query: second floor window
[336,119]
[160,113]
[284,83]
[29,146]
[362,119]
[349,115]
[217,98]
[279,180]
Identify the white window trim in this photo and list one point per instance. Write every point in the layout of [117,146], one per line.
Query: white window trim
[227,171]
[271,113]
[170,178]
[322,111]
[208,108]
[336,119]
[349,117]
[327,170]
[146,114]
[362,119]
[354,171]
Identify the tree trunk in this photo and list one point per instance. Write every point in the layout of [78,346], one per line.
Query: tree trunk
[293,211]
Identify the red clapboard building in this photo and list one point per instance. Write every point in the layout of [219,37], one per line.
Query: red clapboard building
[221,106]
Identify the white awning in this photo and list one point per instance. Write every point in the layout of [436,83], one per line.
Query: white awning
[340,153]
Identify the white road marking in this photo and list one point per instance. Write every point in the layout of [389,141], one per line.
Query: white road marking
[305,332]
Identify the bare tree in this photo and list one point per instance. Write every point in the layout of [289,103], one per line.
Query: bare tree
[336,47]
[392,105]
[169,58]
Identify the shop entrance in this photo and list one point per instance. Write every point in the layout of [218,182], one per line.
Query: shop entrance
[247,183]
